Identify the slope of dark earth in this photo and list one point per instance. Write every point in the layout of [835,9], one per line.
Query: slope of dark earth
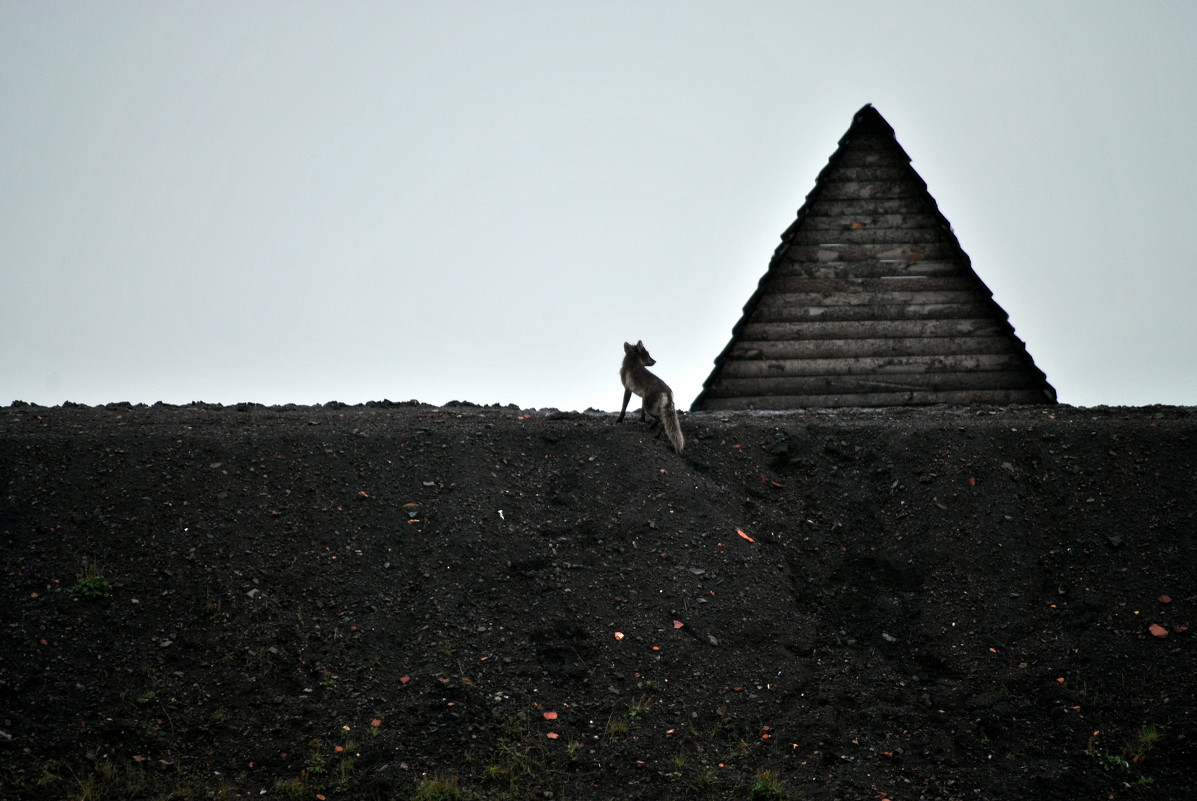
[394,600]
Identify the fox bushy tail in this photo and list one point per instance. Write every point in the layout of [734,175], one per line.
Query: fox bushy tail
[667,414]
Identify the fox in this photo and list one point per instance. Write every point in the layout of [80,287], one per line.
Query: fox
[656,394]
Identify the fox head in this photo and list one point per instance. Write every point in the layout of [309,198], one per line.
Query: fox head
[640,351]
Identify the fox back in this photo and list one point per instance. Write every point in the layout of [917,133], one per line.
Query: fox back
[635,373]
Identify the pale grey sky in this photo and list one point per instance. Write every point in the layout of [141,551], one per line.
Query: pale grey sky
[297,202]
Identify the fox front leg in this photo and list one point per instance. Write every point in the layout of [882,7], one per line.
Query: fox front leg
[627,396]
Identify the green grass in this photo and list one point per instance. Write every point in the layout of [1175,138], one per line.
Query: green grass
[437,790]
[705,779]
[639,707]
[294,789]
[317,761]
[617,726]
[109,780]
[768,787]
[90,584]
[520,765]
[1144,741]
[1129,761]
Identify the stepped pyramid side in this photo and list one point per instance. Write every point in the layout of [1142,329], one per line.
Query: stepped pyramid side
[870,301]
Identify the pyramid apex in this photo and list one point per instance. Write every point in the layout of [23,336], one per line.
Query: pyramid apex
[869,120]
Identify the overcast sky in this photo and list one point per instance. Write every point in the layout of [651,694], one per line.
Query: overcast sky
[298,202]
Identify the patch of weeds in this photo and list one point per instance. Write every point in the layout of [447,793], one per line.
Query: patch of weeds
[437,790]
[512,766]
[317,761]
[348,754]
[679,763]
[1130,758]
[1142,743]
[324,767]
[1087,690]
[739,751]
[214,611]
[639,707]
[981,728]
[705,779]
[1108,761]
[50,774]
[111,780]
[768,787]
[90,584]
[344,771]
[518,767]
[262,661]
[294,789]
[617,726]
[263,606]
[91,589]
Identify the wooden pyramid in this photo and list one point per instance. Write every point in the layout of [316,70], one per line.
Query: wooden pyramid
[870,301]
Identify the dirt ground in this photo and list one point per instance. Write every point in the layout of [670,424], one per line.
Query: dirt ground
[397,601]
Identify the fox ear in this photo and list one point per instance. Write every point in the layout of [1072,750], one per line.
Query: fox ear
[640,344]
[627,348]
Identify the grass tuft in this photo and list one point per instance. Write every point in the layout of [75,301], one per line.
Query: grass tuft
[90,584]
[437,790]
[768,787]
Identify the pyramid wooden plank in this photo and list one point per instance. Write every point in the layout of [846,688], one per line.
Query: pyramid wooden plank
[869,300]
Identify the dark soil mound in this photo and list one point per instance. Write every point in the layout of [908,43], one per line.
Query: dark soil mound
[393,601]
